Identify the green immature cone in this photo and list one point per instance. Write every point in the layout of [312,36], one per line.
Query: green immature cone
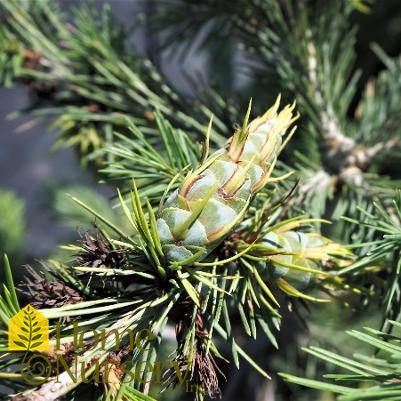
[213,199]
[293,257]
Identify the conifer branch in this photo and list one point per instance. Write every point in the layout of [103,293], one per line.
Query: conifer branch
[89,96]
[299,45]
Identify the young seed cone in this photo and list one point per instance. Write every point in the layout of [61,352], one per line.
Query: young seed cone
[213,199]
[295,248]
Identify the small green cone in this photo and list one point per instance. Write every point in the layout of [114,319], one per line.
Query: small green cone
[213,199]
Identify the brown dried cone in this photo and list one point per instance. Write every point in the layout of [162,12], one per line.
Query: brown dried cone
[44,293]
[200,369]
[98,252]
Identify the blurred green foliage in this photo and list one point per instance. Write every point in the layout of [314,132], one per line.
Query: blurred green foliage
[12,225]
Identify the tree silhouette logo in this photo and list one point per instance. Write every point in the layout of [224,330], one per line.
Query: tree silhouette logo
[28,330]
